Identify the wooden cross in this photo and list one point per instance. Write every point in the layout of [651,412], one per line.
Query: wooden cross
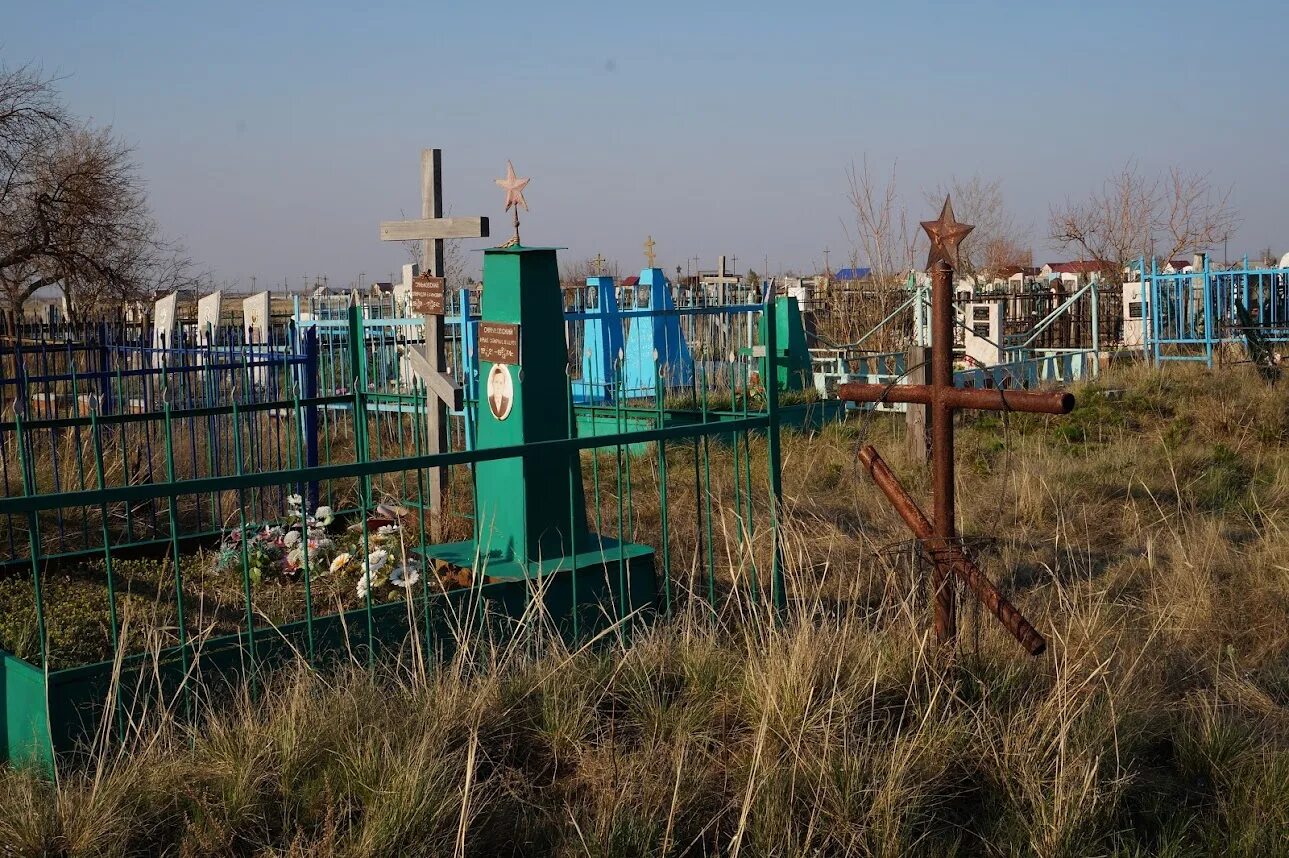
[598,262]
[649,254]
[431,364]
[938,535]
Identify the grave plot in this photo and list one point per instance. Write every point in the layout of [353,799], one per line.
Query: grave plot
[202,541]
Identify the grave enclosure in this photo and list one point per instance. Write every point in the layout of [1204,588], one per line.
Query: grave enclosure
[192,451]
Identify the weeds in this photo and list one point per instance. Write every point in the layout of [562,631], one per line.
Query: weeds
[1156,562]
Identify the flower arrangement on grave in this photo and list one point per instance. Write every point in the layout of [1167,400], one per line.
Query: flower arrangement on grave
[374,554]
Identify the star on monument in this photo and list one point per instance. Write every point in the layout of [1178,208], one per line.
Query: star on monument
[946,234]
[514,188]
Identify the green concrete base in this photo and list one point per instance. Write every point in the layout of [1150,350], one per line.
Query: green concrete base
[607,582]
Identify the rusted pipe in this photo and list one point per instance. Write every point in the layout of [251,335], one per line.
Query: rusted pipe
[942,464]
[984,399]
[949,554]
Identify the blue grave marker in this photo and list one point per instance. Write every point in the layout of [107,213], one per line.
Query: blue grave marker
[656,332]
[602,334]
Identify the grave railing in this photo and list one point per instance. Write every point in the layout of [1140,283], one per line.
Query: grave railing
[138,572]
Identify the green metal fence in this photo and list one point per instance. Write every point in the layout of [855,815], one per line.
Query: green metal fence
[236,548]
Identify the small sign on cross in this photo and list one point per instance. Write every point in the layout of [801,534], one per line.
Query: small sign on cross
[428,295]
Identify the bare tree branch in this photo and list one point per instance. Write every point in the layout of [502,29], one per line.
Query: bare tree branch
[1135,215]
[73,211]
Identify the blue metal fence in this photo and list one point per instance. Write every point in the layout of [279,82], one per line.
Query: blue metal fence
[1192,313]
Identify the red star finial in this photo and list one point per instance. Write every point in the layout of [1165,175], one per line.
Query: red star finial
[514,188]
[946,234]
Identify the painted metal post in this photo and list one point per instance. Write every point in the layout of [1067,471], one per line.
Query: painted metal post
[104,371]
[358,380]
[468,368]
[311,410]
[1096,329]
[1155,315]
[1207,293]
[778,594]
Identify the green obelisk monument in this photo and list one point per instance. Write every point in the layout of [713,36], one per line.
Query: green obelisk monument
[530,510]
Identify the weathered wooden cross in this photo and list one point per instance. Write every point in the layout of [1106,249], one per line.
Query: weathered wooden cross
[431,363]
[938,536]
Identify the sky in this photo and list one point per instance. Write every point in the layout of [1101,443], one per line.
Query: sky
[274,137]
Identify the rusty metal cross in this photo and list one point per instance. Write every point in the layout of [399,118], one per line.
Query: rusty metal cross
[938,535]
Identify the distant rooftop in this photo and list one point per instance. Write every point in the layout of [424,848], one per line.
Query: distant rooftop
[853,274]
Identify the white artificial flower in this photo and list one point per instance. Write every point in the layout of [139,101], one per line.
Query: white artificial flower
[291,539]
[294,500]
[388,530]
[341,559]
[376,560]
[364,584]
[405,575]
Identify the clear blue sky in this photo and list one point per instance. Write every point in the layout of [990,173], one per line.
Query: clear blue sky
[275,136]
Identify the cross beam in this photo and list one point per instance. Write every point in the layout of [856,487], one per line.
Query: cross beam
[943,399]
[434,229]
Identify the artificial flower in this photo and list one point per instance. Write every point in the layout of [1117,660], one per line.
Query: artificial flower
[405,575]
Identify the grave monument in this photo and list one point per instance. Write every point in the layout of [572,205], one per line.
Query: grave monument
[655,342]
[530,509]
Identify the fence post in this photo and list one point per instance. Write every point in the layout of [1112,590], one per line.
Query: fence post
[917,370]
[1096,329]
[778,594]
[358,377]
[104,371]
[311,410]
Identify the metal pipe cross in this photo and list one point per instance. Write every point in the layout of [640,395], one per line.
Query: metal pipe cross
[939,535]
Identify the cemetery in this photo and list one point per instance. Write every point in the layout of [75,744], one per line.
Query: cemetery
[362,472]
[534,553]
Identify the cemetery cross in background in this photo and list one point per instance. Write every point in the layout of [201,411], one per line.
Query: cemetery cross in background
[938,536]
[431,364]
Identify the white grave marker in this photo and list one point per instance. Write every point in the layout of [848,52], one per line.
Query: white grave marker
[255,319]
[208,308]
[163,325]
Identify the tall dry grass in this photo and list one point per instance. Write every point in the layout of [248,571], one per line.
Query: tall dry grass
[1145,535]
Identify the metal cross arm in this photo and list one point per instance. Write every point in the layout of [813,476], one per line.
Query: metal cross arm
[1044,402]
[950,555]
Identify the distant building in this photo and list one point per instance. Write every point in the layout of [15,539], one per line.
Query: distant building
[1072,274]
[851,275]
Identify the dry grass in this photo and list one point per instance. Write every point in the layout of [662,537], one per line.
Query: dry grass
[1145,535]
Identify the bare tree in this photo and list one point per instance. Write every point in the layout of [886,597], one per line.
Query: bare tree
[881,228]
[1137,215]
[881,236]
[996,242]
[73,212]
[573,274]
